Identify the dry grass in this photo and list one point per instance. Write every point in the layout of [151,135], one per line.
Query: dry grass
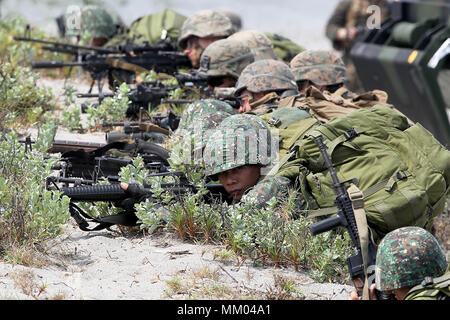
[26,281]
[214,283]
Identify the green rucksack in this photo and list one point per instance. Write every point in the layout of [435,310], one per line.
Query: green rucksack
[289,124]
[431,289]
[152,28]
[284,48]
[402,170]
[156,27]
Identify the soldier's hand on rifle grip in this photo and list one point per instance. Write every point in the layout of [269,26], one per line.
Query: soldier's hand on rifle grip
[354,295]
[136,194]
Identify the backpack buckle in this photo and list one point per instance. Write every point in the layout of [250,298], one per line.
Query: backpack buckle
[427,281]
[402,175]
[350,134]
[274,122]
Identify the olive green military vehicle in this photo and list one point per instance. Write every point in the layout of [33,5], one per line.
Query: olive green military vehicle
[409,58]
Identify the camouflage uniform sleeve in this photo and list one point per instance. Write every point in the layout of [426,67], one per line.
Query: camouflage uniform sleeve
[337,19]
[267,189]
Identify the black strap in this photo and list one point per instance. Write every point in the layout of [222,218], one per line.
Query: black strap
[80,217]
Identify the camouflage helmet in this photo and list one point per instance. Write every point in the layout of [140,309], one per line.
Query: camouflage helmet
[204,125]
[227,57]
[259,43]
[241,139]
[205,24]
[199,108]
[235,19]
[265,75]
[406,256]
[321,67]
[96,20]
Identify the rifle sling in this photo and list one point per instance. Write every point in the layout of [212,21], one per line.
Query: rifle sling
[357,199]
[80,217]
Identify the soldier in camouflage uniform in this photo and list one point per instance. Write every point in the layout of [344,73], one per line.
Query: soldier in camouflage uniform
[187,149]
[411,264]
[320,68]
[200,30]
[237,154]
[264,81]
[321,77]
[97,22]
[348,19]
[223,61]
[258,42]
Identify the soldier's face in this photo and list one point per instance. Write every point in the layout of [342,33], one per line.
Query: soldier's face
[248,97]
[236,181]
[220,82]
[195,47]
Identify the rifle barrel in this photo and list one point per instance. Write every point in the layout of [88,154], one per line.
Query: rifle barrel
[55,64]
[68,45]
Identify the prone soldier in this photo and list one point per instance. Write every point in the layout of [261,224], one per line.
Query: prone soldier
[411,264]
[94,20]
[200,30]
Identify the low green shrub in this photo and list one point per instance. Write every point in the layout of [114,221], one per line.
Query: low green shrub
[22,101]
[29,214]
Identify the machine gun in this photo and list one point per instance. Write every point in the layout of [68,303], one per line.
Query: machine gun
[103,62]
[64,145]
[89,161]
[361,264]
[142,129]
[126,199]
[106,162]
[143,96]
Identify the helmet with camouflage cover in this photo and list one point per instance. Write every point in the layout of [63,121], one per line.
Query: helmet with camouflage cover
[199,108]
[241,139]
[226,57]
[259,43]
[204,125]
[96,20]
[205,24]
[265,75]
[235,19]
[321,67]
[406,256]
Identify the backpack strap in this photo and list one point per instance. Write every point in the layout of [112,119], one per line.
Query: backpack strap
[307,124]
[357,199]
[431,287]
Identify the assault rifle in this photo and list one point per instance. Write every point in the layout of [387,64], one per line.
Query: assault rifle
[345,217]
[126,199]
